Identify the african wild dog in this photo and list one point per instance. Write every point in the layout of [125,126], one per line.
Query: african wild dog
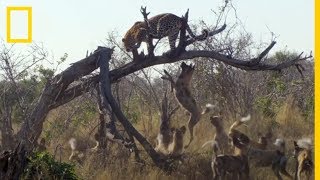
[274,158]
[182,90]
[220,140]
[237,164]
[169,140]
[303,156]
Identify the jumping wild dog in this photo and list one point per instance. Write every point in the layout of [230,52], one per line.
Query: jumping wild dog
[303,155]
[182,91]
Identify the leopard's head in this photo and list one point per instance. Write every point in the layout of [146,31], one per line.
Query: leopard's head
[134,36]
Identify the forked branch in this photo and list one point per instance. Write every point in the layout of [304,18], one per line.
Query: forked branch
[150,45]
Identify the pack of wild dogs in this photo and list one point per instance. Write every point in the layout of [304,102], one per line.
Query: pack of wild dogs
[233,150]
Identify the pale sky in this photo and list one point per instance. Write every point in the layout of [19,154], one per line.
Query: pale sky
[75,26]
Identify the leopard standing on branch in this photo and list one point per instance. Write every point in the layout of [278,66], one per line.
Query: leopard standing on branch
[157,27]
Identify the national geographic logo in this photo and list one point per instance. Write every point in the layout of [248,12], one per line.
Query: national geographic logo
[10,37]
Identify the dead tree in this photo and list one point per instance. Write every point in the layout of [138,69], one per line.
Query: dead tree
[13,163]
[165,128]
[150,45]
[56,92]
[106,92]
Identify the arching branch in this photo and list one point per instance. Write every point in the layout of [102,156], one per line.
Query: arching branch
[254,64]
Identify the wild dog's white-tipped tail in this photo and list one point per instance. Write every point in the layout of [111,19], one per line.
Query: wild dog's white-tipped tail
[72,143]
[305,143]
[279,142]
[211,142]
[245,119]
[208,108]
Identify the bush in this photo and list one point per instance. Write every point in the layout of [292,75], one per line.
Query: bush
[42,165]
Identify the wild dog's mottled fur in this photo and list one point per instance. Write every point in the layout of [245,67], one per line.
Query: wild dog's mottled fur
[275,159]
[236,164]
[169,140]
[233,132]
[79,147]
[175,145]
[303,156]
[183,94]
[220,140]
[262,143]
[263,158]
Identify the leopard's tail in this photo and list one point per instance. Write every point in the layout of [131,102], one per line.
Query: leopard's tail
[203,36]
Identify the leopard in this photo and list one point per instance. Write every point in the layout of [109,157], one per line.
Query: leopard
[158,27]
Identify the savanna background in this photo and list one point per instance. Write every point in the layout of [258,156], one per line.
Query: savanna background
[282,101]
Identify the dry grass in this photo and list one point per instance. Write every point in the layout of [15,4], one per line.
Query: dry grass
[119,164]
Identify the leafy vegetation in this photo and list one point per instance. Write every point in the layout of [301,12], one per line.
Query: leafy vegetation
[42,165]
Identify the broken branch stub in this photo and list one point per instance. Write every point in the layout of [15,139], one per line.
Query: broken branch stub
[150,45]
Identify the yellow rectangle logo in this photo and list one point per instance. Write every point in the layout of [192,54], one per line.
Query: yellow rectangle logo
[19,40]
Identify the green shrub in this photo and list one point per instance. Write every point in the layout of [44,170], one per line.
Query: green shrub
[42,165]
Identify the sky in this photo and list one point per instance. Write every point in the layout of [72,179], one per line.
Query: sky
[75,26]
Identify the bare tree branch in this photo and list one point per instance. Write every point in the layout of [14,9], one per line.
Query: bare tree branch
[104,77]
[248,65]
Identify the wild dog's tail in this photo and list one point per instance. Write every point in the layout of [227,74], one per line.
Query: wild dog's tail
[208,108]
[305,143]
[211,142]
[279,142]
[73,143]
[215,146]
[239,122]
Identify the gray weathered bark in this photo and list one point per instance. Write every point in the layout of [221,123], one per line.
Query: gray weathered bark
[106,91]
